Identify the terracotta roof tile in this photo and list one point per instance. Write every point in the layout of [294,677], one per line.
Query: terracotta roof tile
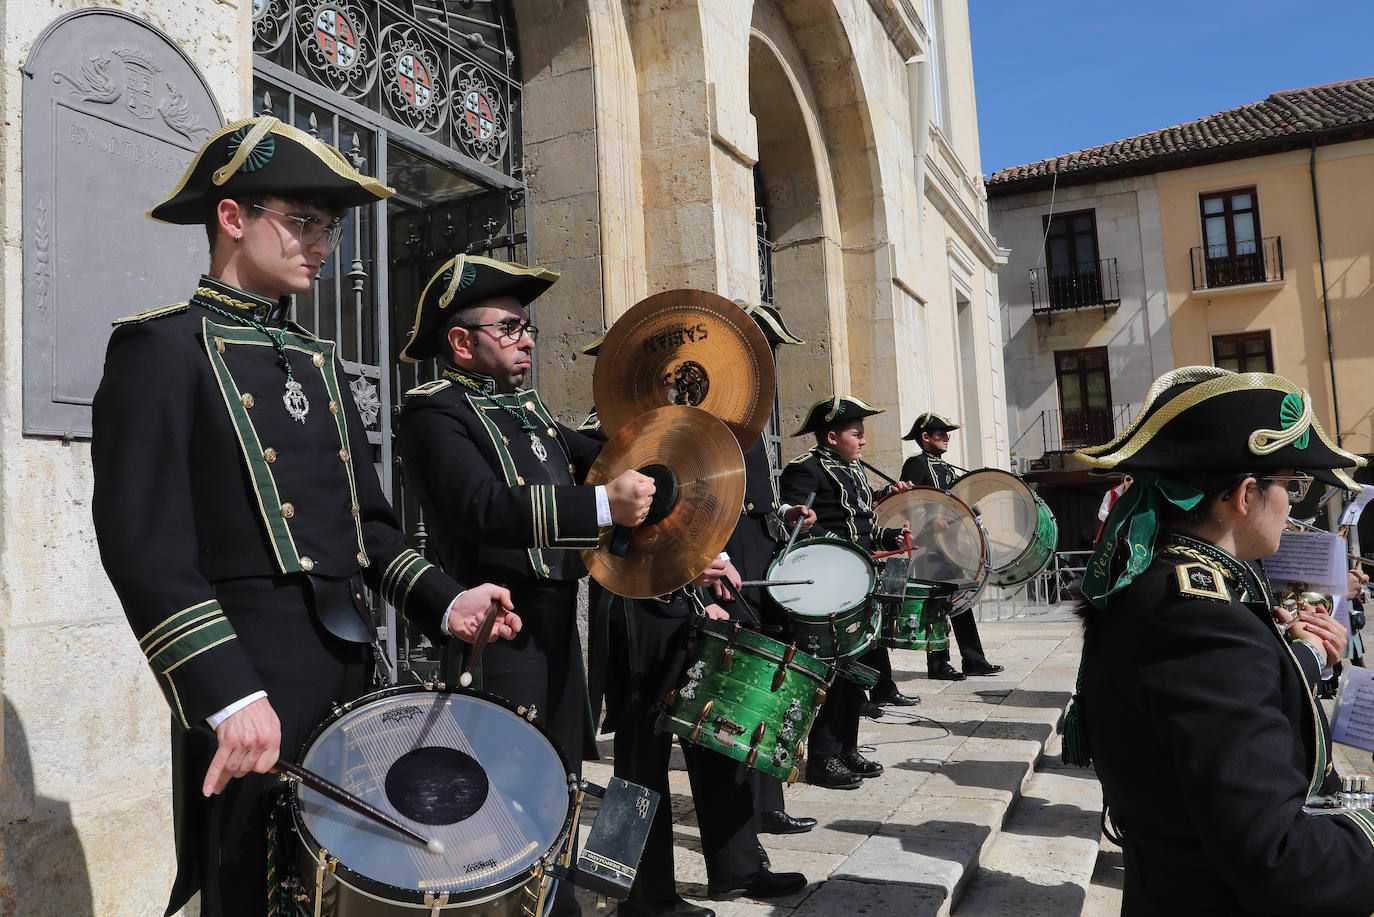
[1285,115]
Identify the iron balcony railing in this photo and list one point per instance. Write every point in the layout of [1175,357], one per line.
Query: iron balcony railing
[1223,265]
[1062,431]
[1079,286]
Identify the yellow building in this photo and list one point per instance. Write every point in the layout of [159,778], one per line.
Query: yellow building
[1243,239]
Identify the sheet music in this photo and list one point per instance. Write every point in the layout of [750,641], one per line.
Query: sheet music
[1353,723]
[1314,558]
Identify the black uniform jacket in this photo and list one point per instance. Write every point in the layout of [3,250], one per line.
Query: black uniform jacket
[926,470]
[844,498]
[1204,732]
[202,476]
[493,505]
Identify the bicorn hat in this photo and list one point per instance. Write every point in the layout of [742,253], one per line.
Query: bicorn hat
[769,320]
[466,280]
[835,411]
[1211,421]
[264,156]
[929,422]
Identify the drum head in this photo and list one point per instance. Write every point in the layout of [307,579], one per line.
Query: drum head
[1007,509]
[455,767]
[950,547]
[843,577]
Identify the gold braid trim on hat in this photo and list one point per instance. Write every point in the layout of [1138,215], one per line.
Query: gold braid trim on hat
[834,409]
[1266,442]
[249,144]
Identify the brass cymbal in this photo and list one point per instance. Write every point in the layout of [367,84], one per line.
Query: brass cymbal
[706,462]
[688,347]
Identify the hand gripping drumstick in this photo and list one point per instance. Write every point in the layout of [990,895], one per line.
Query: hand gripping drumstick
[346,799]
[479,643]
[797,528]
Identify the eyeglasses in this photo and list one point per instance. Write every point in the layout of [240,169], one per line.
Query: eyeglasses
[512,329]
[1296,485]
[313,230]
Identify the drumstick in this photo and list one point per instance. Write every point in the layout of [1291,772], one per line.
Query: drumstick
[479,643]
[889,479]
[791,539]
[777,582]
[344,798]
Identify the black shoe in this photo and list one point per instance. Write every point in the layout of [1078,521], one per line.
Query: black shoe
[764,885]
[674,908]
[831,773]
[945,672]
[861,765]
[764,862]
[779,822]
[894,698]
[986,668]
[870,710]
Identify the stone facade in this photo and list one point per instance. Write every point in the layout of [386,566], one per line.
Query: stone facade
[644,123]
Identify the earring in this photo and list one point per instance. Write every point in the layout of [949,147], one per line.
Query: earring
[238,237]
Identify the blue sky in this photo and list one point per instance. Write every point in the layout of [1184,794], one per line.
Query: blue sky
[1054,76]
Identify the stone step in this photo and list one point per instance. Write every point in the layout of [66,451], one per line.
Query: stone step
[912,840]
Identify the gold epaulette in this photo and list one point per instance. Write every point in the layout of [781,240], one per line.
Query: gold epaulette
[429,388]
[160,311]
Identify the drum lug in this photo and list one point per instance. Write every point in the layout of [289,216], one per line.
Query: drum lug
[792,777]
[727,655]
[754,741]
[781,674]
[434,904]
[818,698]
[701,718]
[670,698]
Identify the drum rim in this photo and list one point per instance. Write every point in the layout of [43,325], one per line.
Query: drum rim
[824,540]
[375,888]
[712,632]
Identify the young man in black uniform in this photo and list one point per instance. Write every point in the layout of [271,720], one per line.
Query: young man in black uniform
[929,469]
[234,518]
[1195,698]
[844,508]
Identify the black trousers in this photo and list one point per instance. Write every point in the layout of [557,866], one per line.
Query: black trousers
[965,629]
[222,841]
[878,658]
[722,791]
[836,729]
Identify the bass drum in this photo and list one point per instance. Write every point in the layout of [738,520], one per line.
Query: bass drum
[464,769]
[1022,532]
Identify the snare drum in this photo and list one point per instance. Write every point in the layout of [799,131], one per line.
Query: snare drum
[919,620]
[831,618]
[463,769]
[747,696]
[1022,532]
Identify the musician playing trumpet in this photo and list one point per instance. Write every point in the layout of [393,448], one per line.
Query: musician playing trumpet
[1195,702]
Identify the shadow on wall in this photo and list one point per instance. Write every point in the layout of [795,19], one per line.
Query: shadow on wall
[42,863]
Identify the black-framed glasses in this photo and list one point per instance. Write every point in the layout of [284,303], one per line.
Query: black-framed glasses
[313,230]
[512,329]
[1295,485]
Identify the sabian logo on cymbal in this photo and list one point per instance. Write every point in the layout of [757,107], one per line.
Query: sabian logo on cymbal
[675,337]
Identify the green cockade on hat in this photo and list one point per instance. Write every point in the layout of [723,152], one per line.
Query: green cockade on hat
[1290,412]
[259,156]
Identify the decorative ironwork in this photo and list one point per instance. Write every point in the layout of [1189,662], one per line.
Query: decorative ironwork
[271,24]
[484,125]
[1082,286]
[337,45]
[413,79]
[1223,265]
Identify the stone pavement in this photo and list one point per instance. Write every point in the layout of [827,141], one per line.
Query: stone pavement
[911,841]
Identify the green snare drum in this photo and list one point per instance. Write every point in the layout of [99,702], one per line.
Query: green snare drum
[1022,533]
[830,617]
[747,696]
[919,620]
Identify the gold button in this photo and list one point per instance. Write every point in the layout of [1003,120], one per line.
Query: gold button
[269,455]
[572,470]
[519,480]
[247,399]
[307,564]
[343,455]
[219,344]
[546,569]
[333,407]
[552,431]
[318,359]
[529,405]
[287,511]
[748,506]
[505,441]
[362,558]
[355,509]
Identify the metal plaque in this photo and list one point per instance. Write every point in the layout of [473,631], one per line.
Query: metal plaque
[113,114]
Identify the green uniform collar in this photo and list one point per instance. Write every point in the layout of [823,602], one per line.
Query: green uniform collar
[486,385]
[232,299]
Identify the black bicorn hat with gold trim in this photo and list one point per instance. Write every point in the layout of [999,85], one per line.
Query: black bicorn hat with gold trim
[465,280]
[835,411]
[264,156]
[929,422]
[1203,420]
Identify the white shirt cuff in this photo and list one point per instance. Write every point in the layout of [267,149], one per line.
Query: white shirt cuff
[782,510]
[215,719]
[443,622]
[603,506]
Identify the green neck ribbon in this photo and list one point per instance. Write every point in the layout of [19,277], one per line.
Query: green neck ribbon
[1134,520]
